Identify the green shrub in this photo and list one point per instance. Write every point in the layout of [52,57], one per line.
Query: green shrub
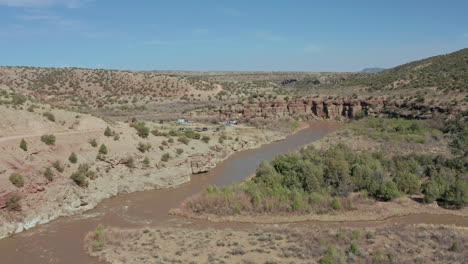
[17,179]
[73,158]
[13,203]
[142,147]
[407,182]
[58,166]
[336,204]
[388,191]
[48,174]
[48,139]
[179,151]
[205,139]
[354,249]
[183,140]
[79,178]
[93,142]
[146,161]
[165,157]
[49,116]
[108,132]
[141,128]
[103,149]
[24,145]
[130,162]
[333,255]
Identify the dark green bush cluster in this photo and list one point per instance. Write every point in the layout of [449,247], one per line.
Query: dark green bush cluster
[385,129]
[23,145]
[58,166]
[165,157]
[320,180]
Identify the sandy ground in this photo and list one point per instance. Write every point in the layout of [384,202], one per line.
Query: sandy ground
[280,244]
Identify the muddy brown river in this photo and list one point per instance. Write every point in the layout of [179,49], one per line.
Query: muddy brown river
[61,241]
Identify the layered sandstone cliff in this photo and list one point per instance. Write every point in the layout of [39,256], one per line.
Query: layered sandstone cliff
[331,109]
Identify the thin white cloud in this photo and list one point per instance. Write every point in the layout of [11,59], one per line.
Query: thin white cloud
[39,17]
[44,3]
[268,35]
[311,48]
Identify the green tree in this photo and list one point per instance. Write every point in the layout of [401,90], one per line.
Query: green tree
[103,149]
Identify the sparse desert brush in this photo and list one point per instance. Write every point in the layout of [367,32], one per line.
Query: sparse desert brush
[17,179]
[184,140]
[48,139]
[13,203]
[144,147]
[141,128]
[130,162]
[205,139]
[58,166]
[49,116]
[93,142]
[179,151]
[48,174]
[165,157]
[73,158]
[79,178]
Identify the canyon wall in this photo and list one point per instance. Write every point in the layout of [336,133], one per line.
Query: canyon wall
[329,109]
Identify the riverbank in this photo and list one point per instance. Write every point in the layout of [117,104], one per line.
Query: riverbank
[62,197]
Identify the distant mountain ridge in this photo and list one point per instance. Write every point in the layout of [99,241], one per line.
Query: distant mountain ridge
[449,71]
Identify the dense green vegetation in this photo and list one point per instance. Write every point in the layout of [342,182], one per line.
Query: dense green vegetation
[321,180]
[445,72]
[386,129]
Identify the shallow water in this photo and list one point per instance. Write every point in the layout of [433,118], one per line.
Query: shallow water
[61,241]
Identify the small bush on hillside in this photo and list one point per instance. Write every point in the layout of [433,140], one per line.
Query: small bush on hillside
[179,151]
[73,158]
[103,149]
[48,174]
[143,147]
[165,157]
[13,203]
[48,139]
[146,161]
[58,166]
[24,145]
[79,178]
[130,162]
[17,179]
[205,139]
[49,116]
[184,140]
[141,128]
[108,132]
[93,142]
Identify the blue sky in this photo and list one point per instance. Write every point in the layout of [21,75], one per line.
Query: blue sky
[228,35]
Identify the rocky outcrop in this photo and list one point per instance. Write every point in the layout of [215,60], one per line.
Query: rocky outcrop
[330,109]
